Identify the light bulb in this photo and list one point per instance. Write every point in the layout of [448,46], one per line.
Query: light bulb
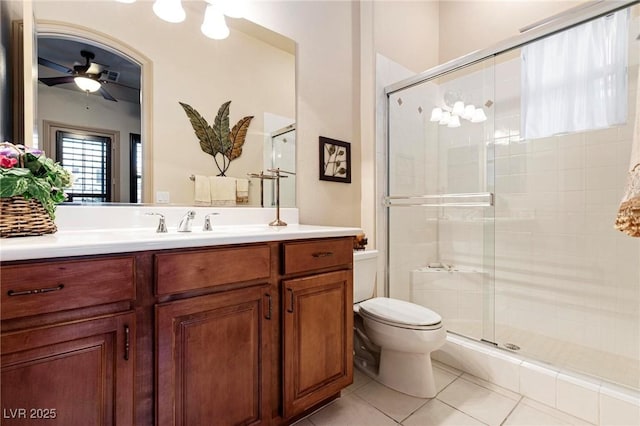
[458,108]
[468,112]
[478,116]
[87,84]
[454,122]
[214,25]
[169,10]
[436,114]
[446,117]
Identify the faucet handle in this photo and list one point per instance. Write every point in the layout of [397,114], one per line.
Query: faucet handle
[207,222]
[162,224]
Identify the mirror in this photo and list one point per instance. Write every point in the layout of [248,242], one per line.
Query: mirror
[254,68]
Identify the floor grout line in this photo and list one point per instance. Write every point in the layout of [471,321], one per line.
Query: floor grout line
[512,410]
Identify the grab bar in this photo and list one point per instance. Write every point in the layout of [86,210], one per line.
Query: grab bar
[480,199]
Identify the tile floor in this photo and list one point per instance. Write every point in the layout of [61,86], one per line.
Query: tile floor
[462,400]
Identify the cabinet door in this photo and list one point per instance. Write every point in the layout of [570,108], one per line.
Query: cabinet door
[213,363]
[79,373]
[318,342]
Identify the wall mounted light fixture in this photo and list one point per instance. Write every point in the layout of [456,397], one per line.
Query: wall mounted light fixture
[213,25]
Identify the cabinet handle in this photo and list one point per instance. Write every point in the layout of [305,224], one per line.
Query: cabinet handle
[290,308]
[126,343]
[35,291]
[269,308]
[322,254]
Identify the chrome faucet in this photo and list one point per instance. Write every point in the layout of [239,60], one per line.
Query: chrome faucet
[185,223]
[162,225]
[207,222]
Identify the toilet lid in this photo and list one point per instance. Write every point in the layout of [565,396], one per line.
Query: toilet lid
[399,312]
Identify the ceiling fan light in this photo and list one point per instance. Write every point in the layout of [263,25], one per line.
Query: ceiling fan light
[87,84]
[169,10]
[214,25]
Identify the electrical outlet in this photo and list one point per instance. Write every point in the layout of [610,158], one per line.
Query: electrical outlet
[162,197]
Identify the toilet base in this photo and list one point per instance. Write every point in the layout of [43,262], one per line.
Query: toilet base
[408,373]
[411,374]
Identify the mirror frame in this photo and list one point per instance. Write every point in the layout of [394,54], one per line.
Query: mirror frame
[105,41]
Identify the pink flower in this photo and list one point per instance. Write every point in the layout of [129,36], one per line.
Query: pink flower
[7,162]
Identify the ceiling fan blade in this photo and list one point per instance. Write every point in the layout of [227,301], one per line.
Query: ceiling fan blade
[50,64]
[52,81]
[117,84]
[107,95]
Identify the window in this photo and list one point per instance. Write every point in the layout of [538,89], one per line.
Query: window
[89,159]
[135,169]
[576,80]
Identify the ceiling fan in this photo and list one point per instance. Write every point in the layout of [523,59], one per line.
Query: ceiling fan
[87,77]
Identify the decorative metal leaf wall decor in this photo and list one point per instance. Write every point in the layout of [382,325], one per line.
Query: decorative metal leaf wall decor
[219,138]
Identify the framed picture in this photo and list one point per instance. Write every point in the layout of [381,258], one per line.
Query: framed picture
[335,160]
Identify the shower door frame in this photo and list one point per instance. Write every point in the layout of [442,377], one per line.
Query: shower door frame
[557,23]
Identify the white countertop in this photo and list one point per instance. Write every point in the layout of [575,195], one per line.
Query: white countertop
[102,241]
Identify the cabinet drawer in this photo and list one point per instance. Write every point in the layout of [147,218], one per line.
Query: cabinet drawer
[318,254]
[39,288]
[179,272]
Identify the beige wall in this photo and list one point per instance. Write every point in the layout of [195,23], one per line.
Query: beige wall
[328,79]
[466,26]
[408,32]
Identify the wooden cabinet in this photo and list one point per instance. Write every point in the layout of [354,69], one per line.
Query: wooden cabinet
[212,358]
[78,373]
[317,330]
[68,342]
[251,334]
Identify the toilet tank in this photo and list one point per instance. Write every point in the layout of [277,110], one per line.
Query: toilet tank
[365,268]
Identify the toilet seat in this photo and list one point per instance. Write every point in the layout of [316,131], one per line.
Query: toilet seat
[401,314]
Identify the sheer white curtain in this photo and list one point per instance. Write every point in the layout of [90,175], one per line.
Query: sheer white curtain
[576,80]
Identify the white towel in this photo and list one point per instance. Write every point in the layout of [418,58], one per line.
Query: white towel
[202,191]
[242,191]
[223,191]
[628,219]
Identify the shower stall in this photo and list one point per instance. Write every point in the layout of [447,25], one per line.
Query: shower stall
[505,170]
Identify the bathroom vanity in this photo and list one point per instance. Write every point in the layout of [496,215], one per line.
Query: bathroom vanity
[227,328]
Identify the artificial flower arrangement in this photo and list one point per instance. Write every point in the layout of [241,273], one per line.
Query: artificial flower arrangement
[28,173]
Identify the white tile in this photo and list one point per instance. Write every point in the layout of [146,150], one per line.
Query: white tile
[492,386]
[436,413]
[619,407]
[564,417]
[504,370]
[526,415]
[350,411]
[359,379]
[443,366]
[475,359]
[481,403]
[578,397]
[443,377]
[394,404]
[538,383]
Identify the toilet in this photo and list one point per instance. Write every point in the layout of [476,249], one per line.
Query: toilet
[393,339]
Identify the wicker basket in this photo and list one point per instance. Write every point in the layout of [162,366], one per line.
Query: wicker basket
[20,218]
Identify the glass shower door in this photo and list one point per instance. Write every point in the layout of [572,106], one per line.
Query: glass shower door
[440,198]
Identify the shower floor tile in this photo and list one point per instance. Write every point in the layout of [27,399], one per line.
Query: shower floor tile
[462,400]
